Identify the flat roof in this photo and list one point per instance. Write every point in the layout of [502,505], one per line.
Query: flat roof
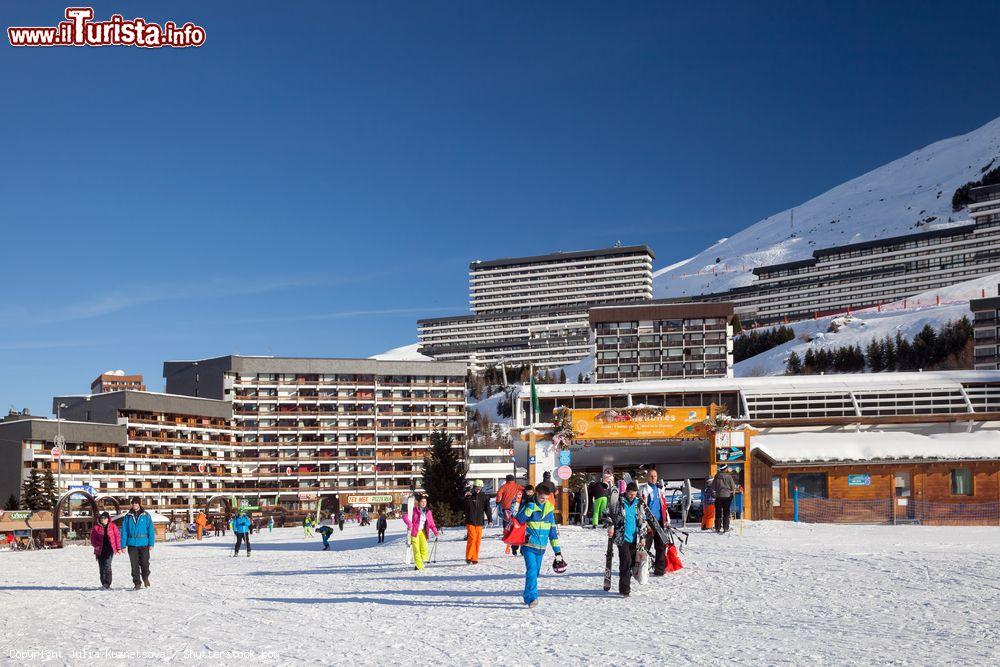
[843,382]
[876,446]
[984,304]
[319,365]
[653,310]
[575,254]
[150,401]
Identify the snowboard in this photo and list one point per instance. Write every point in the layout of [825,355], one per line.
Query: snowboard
[584,504]
[410,504]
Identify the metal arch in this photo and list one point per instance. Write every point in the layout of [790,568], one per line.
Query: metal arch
[107,496]
[56,528]
[225,503]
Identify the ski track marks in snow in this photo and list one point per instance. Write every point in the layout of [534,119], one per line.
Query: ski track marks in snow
[781,594]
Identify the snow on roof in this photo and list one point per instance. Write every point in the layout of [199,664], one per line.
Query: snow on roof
[878,446]
[404,353]
[843,382]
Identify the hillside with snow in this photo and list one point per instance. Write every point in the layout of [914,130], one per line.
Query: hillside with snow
[908,195]
[906,317]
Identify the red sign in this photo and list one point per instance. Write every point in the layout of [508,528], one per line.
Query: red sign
[201,467]
[564,472]
[56,452]
[288,471]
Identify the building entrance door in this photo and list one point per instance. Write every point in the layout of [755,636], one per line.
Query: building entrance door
[903,495]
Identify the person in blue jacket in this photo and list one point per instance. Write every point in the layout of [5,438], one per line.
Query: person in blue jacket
[241,526]
[138,536]
[538,515]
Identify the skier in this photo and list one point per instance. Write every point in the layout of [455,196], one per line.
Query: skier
[724,487]
[380,526]
[477,513]
[307,527]
[539,516]
[106,540]
[419,525]
[325,532]
[241,527]
[270,524]
[652,496]
[506,497]
[600,495]
[625,524]
[138,536]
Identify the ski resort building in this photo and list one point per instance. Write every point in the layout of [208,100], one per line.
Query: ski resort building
[861,275]
[986,333]
[351,430]
[533,310]
[661,341]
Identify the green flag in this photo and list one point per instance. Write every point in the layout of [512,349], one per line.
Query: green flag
[535,411]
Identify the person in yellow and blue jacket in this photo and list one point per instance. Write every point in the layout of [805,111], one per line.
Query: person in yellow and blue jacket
[539,518]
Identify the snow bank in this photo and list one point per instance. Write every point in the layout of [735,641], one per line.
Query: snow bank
[877,445]
[404,353]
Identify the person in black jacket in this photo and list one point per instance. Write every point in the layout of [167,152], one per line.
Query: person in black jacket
[477,513]
[380,526]
[724,486]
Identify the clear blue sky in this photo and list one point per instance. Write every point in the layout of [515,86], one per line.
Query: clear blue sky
[319,174]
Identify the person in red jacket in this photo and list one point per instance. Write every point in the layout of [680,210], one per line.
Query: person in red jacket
[507,495]
[106,540]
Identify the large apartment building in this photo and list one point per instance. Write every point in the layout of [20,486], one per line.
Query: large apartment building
[174,452]
[533,310]
[861,275]
[986,333]
[116,381]
[352,429]
[662,341]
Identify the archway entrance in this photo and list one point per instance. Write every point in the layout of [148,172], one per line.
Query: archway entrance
[227,507]
[57,512]
[101,499]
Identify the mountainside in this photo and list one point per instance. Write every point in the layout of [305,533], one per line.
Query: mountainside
[908,195]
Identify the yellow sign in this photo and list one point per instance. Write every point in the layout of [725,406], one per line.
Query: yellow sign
[637,423]
[369,500]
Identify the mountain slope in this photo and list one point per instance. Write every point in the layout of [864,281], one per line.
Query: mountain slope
[907,195]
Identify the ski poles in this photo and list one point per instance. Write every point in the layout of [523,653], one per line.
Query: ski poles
[434,551]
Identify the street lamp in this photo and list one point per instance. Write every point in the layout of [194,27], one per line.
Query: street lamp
[60,445]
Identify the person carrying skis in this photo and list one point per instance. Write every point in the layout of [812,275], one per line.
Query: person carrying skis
[307,527]
[380,526]
[325,532]
[625,523]
[106,540]
[652,495]
[138,536]
[506,496]
[241,528]
[724,486]
[538,515]
[419,525]
[477,513]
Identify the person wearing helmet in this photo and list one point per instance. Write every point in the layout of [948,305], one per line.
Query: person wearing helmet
[477,514]
[625,523]
[538,515]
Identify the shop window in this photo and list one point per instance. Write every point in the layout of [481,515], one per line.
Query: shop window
[961,482]
[812,483]
[776,491]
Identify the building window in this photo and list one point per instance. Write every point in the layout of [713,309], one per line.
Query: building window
[961,482]
[776,491]
[811,483]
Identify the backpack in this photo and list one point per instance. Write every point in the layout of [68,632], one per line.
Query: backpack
[516,533]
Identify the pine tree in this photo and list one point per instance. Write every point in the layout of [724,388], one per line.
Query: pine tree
[31,491]
[11,503]
[443,476]
[737,324]
[809,363]
[875,357]
[48,495]
[562,376]
[794,364]
[579,378]
[889,359]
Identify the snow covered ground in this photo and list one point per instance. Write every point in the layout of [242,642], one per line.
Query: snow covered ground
[781,594]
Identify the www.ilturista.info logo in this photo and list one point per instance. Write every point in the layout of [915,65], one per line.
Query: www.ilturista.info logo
[81,30]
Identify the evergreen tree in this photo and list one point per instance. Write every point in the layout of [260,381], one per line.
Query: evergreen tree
[11,503]
[579,378]
[809,362]
[794,364]
[889,359]
[562,376]
[875,357]
[49,493]
[443,477]
[737,324]
[31,491]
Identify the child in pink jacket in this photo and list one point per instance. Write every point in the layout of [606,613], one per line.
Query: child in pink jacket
[420,524]
[106,540]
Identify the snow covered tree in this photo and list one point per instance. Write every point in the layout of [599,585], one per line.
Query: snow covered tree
[49,492]
[444,473]
[794,364]
[31,491]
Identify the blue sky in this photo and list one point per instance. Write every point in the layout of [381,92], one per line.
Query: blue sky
[314,179]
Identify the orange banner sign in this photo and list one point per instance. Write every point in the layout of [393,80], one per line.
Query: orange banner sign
[626,424]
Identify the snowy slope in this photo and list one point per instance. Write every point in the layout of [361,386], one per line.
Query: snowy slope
[935,307]
[404,353]
[783,594]
[907,195]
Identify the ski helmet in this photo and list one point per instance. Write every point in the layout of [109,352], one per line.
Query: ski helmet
[559,565]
